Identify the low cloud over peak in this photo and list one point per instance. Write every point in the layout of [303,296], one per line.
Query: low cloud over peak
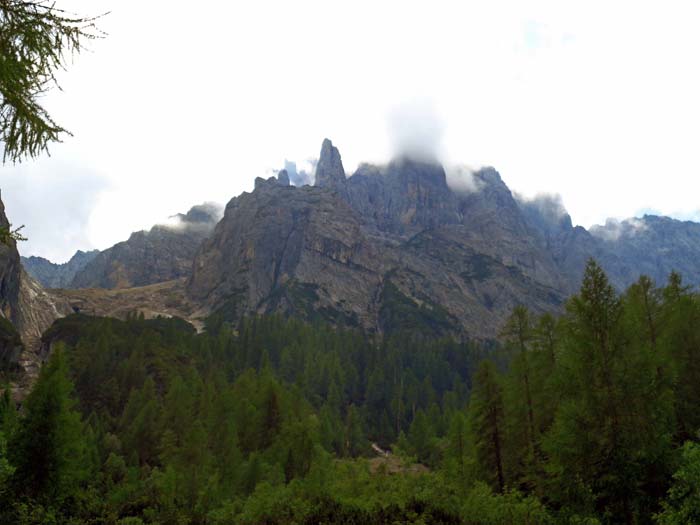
[416,131]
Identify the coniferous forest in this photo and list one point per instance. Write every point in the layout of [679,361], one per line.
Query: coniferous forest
[589,417]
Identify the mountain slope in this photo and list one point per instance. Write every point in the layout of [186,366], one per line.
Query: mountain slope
[163,253]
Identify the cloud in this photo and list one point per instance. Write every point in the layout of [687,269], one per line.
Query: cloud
[461,179]
[614,229]
[54,200]
[416,131]
[549,205]
[301,175]
[200,218]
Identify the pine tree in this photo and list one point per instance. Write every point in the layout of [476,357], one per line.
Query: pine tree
[607,432]
[49,450]
[457,453]
[271,418]
[140,424]
[680,342]
[420,437]
[524,450]
[487,420]
[355,439]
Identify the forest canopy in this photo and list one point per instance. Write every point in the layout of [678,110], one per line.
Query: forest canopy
[587,417]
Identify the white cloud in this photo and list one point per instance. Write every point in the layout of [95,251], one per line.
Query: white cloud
[613,229]
[184,103]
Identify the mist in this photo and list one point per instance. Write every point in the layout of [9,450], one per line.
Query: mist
[614,229]
[549,205]
[301,175]
[200,218]
[416,131]
[461,179]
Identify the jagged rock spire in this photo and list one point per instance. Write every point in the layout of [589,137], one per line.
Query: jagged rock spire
[329,170]
[283,177]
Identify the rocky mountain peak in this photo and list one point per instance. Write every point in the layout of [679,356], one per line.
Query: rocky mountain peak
[271,182]
[207,213]
[52,275]
[283,178]
[546,214]
[163,253]
[329,170]
[419,172]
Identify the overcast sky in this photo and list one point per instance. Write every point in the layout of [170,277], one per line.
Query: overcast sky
[186,102]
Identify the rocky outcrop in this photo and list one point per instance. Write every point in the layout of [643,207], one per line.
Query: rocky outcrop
[403,197]
[297,250]
[329,170]
[163,253]
[26,310]
[10,272]
[52,275]
[388,248]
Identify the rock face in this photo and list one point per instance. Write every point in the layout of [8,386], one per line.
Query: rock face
[26,310]
[396,246]
[329,170]
[10,273]
[52,275]
[388,248]
[147,257]
[653,246]
[10,278]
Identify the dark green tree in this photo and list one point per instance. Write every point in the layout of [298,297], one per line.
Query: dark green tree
[487,416]
[683,503]
[610,429]
[49,450]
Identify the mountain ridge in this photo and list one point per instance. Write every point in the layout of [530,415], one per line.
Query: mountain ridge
[52,275]
[160,254]
[427,238]
[404,245]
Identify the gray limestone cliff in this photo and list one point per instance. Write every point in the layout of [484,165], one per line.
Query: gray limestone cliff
[389,247]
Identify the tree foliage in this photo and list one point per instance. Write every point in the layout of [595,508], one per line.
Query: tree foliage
[36,40]
[578,419]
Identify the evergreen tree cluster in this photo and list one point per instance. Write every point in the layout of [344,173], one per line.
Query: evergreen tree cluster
[589,417]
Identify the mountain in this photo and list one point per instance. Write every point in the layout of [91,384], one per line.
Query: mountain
[654,246]
[52,275]
[26,311]
[389,247]
[407,244]
[10,276]
[163,253]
